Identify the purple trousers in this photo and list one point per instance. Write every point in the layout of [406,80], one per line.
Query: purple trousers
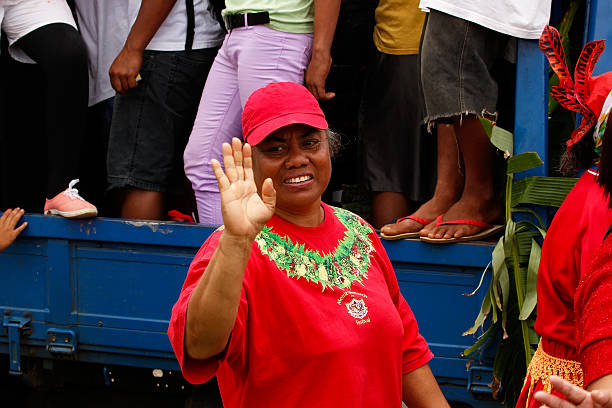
[249,59]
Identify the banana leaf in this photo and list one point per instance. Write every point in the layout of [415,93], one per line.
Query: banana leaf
[504,284]
[500,138]
[480,343]
[522,162]
[524,243]
[529,211]
[479,283]
[549,191]
[485,309]
[531,295]
[534,338]
[514,264]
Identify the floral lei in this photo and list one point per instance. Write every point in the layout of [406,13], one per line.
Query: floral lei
[348,262]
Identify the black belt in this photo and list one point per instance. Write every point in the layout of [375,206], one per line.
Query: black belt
[247,19]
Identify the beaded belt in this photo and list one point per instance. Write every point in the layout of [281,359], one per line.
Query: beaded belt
[544,365]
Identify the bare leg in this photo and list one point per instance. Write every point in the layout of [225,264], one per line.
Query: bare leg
[478,201]
[387,206]
[449,184]
[143,205]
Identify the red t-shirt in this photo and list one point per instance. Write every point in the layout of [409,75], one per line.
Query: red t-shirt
[574,236]
[321,321]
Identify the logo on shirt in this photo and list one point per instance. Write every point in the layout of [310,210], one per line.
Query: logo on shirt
[356,306]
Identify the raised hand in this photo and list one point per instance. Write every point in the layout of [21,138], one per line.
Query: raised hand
[576,396]
[244,211]
[8,232]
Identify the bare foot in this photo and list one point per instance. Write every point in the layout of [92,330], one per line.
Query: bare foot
[429,211]
[467,208]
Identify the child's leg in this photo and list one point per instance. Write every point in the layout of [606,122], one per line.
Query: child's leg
[387,206]
[143,204]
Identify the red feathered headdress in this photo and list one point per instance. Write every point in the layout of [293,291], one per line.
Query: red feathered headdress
[587,94]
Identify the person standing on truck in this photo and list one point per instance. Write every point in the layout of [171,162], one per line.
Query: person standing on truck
[462,40]
[293,302]
[287,40]
[574,308]
[159,76]
[593,308]
[8,232]
[397,154]
[45,33]
[104,26]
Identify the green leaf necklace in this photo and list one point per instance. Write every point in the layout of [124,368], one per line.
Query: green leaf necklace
[348,262]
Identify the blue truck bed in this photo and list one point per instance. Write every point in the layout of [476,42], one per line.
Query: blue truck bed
[101,291]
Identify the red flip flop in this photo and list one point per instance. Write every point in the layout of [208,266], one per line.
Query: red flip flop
[487,231]
[405,235]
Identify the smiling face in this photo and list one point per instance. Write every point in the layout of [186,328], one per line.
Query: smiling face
[296,158]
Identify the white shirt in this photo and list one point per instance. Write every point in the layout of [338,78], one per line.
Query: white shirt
[518,18]
[104,26]
[171,35]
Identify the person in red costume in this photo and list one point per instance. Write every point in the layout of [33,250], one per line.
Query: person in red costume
[593,309]
[293,302]
[566,349]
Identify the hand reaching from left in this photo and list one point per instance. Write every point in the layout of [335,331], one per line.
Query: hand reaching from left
[8,232]
[244,212]
[576,396]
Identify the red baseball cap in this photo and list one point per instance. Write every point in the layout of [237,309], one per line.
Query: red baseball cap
[277,105]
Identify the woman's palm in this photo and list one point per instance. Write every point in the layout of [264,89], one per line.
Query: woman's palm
[244,211]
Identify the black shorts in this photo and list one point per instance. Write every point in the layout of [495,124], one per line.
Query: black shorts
[397,153]
[152,122]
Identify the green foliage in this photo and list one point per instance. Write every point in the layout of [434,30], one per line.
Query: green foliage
[511,297]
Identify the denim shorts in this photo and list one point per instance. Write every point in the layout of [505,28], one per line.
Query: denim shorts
[457,57]
[152,122]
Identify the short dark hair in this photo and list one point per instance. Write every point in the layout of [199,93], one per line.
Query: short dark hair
[605,163]
[580,156]
[334,142]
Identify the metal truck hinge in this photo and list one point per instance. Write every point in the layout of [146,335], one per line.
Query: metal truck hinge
[61,341]
[15,325]
[479,380]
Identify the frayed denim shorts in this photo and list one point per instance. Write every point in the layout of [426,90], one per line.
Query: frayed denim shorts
[152,122]
[457,57]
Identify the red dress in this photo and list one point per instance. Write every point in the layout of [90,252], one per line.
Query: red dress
[572,240]
[593,307]
[321,321]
